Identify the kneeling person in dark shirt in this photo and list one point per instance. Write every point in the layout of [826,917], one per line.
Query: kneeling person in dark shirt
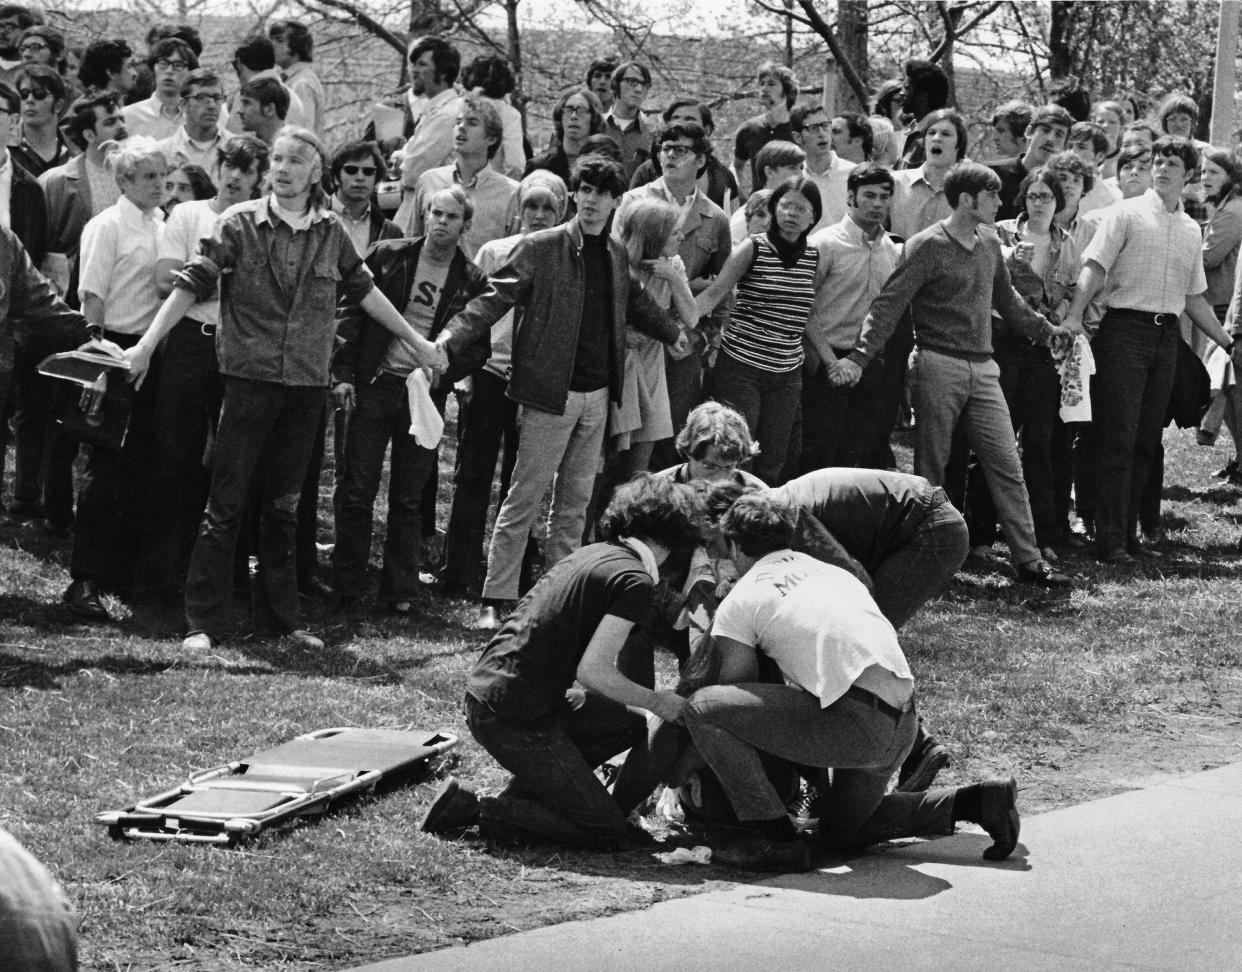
[572,625]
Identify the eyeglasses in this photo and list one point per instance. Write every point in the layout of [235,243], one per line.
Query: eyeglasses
[575,110]
[818,127]
[675,151]
[164,64]
[33,47]
[1040,197]
[206,98]
[794,208]
[636,82]
[25,93]
[353,170]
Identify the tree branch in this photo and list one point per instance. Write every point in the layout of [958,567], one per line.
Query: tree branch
[361,18]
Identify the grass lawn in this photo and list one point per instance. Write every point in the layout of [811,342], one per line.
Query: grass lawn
[1137,673]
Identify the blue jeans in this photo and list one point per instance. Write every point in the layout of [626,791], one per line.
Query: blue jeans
[554,793]
[266,436]
[381,415]
[862,746]
[769,401]
[922,568]
[1135,364]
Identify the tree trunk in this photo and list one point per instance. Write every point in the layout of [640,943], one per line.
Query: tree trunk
[515,58]
[852,25]
[1060,30]
[1224,86]
[789,58]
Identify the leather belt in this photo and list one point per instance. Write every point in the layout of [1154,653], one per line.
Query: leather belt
[873,700]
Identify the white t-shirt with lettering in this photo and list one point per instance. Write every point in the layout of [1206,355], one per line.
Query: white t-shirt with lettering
[816,621]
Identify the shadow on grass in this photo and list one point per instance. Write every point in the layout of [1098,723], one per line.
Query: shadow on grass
[18,672]
[1223,494]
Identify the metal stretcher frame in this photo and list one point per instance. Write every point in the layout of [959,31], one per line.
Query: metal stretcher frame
[307,775]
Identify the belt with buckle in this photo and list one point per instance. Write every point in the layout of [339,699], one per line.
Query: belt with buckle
[1159,318]
[870,698]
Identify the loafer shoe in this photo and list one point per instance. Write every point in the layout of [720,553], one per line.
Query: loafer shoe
[998,815]
[83,599]
[452,808]
[1041,574]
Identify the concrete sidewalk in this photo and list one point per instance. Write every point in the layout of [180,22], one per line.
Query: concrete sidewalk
[1150,879]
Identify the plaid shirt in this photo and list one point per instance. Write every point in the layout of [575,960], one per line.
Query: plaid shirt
[278,291]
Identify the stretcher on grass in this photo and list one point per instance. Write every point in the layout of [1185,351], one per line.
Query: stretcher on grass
[304,776]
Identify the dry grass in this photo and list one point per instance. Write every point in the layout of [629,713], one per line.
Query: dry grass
[1136,672]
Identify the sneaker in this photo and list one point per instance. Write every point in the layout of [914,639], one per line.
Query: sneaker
[452,808]
[999,816]
[919,770]
[755,852]
[197,641]
[302,640]
[488,619]
[1041,574]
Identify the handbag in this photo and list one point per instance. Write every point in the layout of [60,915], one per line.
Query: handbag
[97,406]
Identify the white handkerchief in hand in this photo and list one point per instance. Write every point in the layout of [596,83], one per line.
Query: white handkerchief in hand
[426,423]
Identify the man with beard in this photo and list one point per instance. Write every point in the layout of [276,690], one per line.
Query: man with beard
[433,71]
[778,90]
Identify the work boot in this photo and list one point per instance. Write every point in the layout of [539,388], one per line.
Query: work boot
[927,758]
[452,808]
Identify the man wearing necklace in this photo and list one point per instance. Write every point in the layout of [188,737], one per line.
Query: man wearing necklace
[290,261]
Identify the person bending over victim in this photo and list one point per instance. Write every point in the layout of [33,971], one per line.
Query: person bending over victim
[847,705]
[572,625]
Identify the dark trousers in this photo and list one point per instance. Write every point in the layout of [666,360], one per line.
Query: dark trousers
[381,415]
[187,398]
[1032,390]
[769,401]
[850,425]
[266,436]
[1135,362]
[483,424]
[43,461]
[112,501]
[554,793]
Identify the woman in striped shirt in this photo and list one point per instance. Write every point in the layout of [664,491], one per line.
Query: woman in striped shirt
[759,368]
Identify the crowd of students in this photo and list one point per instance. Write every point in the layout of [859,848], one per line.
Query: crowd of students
[619,303]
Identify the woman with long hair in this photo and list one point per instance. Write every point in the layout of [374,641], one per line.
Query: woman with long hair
[759,368]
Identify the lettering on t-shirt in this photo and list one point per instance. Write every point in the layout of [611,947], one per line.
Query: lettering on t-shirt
[426,293]
[787,582]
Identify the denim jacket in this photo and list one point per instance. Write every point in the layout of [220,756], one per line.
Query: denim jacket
[362,343]
[543,283]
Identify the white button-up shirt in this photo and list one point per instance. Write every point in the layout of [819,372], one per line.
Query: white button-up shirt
[180,149]
[916,205]
[854,271]
[120,247]
[153,118]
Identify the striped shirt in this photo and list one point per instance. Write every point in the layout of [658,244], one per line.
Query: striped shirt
[771,310]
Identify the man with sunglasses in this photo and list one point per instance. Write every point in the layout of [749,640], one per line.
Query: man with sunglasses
[197,139]
[42,145]
[22,205]
[625,123]
[355,169]
[160,115]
